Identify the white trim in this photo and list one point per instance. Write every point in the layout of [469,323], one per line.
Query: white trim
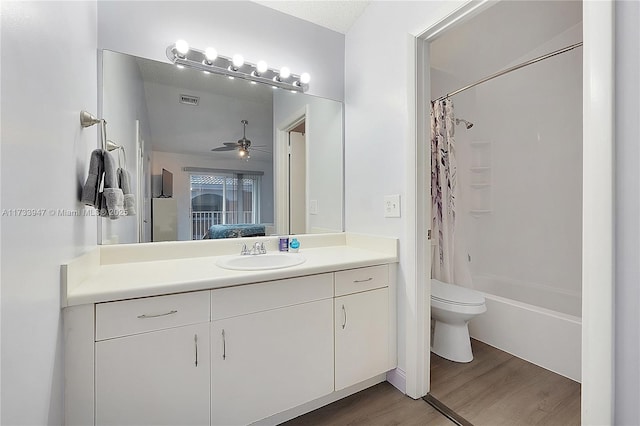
[597,213]
[398,378]
[418,317]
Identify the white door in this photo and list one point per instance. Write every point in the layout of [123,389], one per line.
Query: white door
[156,378]
[361,336]
[271,361]
[297,184]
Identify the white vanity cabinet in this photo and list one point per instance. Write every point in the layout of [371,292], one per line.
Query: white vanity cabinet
[272,347]
[230,354]
[361,324]
[152,362]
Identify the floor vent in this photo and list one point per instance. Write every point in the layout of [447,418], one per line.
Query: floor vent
[189,100]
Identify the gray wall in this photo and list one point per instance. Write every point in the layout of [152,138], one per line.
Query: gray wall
[49,74]
[146,28]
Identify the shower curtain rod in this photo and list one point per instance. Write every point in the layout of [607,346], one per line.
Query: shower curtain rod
[508,70]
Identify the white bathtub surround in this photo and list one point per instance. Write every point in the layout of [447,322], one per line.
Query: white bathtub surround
[137,319]
[541,336]
[545,296]
[539,323]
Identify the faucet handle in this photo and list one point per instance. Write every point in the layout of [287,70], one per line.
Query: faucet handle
[244,250]
[262,249]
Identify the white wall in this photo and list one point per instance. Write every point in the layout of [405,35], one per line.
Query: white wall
[531,120]
[45,157]
[181,183]
[380,140]
[324,154]
[145,29]
[123,103]
[627,208]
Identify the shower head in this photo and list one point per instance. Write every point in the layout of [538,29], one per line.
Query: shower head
[468,124]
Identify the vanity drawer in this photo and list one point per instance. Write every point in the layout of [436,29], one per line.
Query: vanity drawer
[248,299]
[361,279]
[117,319]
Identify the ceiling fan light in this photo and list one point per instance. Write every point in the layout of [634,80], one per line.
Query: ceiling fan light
[305,78]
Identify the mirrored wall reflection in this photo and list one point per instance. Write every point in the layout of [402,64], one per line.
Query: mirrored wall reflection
[213,157]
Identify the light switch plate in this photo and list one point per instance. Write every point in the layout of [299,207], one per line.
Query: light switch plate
[392,205]
[313,206]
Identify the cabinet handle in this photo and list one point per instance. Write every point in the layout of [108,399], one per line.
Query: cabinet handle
[363,281]
[344,315]
[195,340]
[143,316]
[224,346]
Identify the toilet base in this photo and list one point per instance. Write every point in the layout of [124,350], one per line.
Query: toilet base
[452,342]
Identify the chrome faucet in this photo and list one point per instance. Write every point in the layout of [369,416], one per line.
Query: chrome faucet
[258,248]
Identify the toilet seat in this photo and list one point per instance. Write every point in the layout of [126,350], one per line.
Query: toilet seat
[454,294]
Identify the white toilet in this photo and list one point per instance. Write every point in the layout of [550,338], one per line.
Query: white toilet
[452,307]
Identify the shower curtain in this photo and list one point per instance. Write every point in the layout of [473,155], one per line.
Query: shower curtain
[443,189]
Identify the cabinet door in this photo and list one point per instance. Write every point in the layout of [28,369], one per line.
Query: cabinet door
[156,378]
[268,362]
[361,336]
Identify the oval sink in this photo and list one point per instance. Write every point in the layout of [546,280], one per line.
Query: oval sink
[261,262]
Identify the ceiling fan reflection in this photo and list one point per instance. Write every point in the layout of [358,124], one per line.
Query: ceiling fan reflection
[242,145]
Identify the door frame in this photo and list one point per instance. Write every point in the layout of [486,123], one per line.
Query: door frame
[281,167]
[597,205]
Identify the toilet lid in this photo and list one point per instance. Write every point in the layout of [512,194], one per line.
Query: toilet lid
[455,294]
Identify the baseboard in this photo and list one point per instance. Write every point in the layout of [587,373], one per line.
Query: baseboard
[398,379]
[276,419]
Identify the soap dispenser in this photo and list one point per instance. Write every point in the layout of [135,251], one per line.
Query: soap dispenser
[294,245]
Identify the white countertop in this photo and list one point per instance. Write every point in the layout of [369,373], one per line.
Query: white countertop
[116,281]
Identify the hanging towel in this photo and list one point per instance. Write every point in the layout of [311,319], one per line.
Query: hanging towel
[129,199]
[91,190]
[113,196]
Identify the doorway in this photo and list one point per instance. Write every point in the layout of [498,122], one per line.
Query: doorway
[291,174]
[297,180]
[597,228]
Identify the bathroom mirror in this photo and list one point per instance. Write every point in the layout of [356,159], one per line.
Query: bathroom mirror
[182,132]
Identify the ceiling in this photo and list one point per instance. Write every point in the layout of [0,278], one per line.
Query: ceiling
[336,15]
[506,32]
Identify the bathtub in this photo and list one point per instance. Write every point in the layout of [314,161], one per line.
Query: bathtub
[538,324]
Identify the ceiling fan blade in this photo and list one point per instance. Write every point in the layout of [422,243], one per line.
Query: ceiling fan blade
[224,148]
[260,150]
[230,143]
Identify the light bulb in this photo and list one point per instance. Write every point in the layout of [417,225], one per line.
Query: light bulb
[182,47]
[262,67]
[285,72]
[305,78]
[211,54]
[242,152]
[238,60]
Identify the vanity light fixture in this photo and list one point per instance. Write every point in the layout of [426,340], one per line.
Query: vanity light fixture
[209,61]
